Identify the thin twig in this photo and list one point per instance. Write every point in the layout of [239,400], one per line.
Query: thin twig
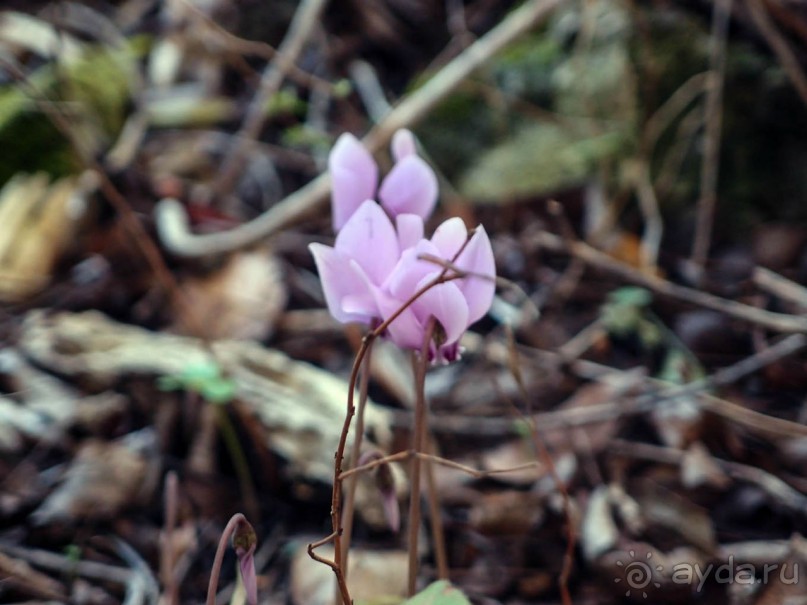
[355,454]
[172,221]
[721,12]
[549,462]
[61,563]
[780,491]
[653,224]
[409,454]
[788,59]
[756,422]
[306,18]
[671,109]
[259,49]
[779,322]
[780,286]
[369,89]
[143,586]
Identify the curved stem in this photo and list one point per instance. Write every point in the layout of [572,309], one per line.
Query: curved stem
[215,572]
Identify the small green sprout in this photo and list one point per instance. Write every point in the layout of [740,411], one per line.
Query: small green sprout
[205,378]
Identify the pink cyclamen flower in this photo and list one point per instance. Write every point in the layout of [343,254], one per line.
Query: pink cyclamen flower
[409,188]
[365,253]
[454,305]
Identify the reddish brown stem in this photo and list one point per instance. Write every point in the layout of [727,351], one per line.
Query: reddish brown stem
[418,437]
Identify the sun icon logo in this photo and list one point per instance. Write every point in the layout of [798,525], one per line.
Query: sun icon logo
[638,574]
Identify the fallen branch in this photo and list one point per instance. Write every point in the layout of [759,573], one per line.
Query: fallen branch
[305,20]
[778,322]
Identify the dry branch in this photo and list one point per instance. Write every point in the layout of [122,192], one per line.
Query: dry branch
[172,222]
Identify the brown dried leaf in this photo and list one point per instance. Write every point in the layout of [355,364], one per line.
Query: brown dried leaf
[242,300]
[594,438]
[698,467]
[38,221]
[512,454]
[668,510]
[103,479]
[375,575]
[506,512]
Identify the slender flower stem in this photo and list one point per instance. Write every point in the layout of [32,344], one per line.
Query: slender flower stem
[339,456]
[418,437]
[213,585]
[438,535]
[355,453]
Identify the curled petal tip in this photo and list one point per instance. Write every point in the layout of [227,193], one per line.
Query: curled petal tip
[403,144]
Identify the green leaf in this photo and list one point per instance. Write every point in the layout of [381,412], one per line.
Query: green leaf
[219,391]
[439,593]
[342,88]
[522,428]
[632,296]
[200,372]
[540,159]
[285,101]
[623,313]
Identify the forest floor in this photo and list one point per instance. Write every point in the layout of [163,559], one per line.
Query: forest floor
[627,424]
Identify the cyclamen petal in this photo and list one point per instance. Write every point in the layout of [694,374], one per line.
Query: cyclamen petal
[410,270]
[405,330]
[449,237]
[370,239]
[347,295]
[403,144]
[446,303]
[354,178]
[246,563]
[410,230]
[477,257]
[409,188]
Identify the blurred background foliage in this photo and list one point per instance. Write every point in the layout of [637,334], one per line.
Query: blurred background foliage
[603,88]
[570,104]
